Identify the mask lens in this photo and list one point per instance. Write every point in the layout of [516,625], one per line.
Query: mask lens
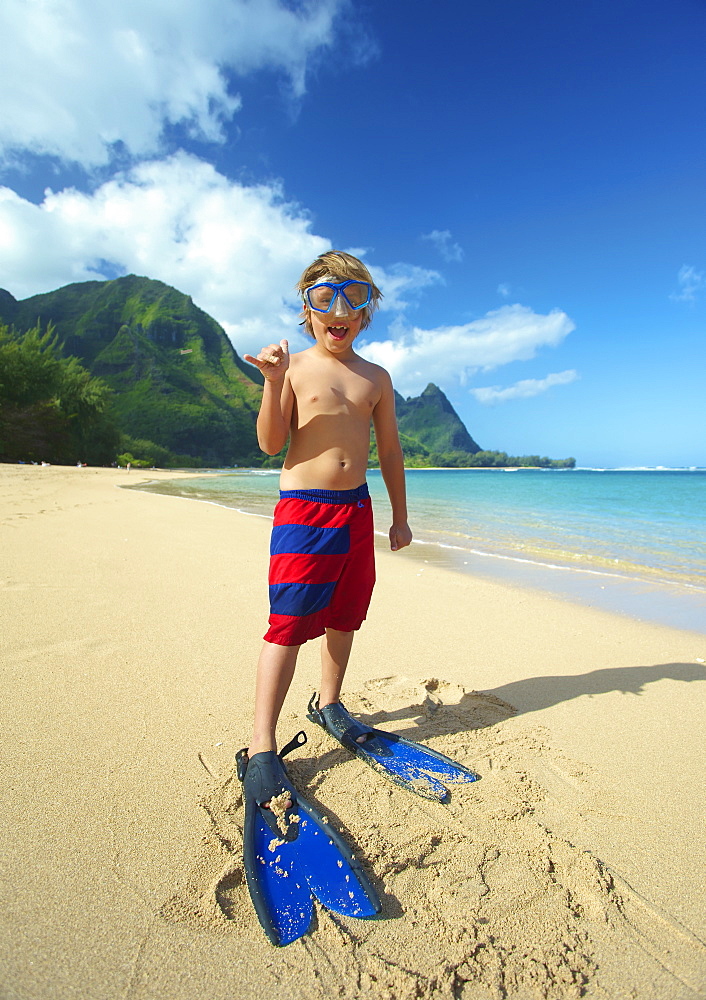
[357,293]
[320,297]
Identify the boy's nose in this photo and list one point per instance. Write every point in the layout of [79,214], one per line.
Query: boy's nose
[339,307]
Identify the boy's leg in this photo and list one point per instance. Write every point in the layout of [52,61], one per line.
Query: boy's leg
[275,670]
[335,652]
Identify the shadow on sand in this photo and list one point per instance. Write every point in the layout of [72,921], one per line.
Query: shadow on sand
[533,694]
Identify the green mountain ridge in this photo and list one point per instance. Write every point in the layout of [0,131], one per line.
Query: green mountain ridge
[177,379]
[432,420]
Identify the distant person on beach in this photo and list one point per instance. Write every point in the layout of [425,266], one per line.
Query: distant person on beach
[323,400]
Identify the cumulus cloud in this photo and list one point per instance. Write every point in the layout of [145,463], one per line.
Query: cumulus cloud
[79,76]
[443,241]
[524,389]
[690,282]
[452,353]
[237,250]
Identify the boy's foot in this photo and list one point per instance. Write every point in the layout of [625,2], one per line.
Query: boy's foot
[256,748]
[359,739]
[244,757]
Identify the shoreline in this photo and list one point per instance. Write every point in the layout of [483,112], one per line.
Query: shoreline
[660,602]
[670,603]
[131,630]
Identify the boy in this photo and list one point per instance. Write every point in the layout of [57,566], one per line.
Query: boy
[322,564]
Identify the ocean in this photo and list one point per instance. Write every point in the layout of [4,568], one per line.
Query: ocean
[632,541]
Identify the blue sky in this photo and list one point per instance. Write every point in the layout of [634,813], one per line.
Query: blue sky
[524,179]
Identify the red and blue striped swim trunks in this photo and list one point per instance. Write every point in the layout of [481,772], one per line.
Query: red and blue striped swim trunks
[322,563]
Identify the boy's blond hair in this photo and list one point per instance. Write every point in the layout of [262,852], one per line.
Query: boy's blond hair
[340,266]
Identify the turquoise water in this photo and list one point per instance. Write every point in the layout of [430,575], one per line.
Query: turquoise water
[650,524]
[630,540]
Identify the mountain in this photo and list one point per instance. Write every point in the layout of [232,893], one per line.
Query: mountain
[181,393]
[8,307]
[432,420]
[178,381]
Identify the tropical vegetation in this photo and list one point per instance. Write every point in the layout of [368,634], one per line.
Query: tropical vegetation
[51,407]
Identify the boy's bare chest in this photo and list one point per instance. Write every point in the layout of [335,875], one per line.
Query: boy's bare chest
[353,395]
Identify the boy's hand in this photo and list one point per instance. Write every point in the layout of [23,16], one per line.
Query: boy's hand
[400,536]
[273,361]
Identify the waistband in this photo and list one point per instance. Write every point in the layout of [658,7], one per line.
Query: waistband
[327,496]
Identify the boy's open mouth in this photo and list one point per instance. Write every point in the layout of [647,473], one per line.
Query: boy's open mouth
[338,332]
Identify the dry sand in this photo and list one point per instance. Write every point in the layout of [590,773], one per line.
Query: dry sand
[131,623]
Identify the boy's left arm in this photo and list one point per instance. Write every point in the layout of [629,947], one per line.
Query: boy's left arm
[392,463]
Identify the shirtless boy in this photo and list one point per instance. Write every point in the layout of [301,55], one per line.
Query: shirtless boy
[322,565]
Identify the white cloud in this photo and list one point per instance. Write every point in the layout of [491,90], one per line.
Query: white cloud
[690,282]
[237,250]
[443,241]
[81,75]
[511,333]
[401,284]
[524,389]
[504,290]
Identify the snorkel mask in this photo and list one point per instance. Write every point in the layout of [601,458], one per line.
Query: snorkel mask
[338,298]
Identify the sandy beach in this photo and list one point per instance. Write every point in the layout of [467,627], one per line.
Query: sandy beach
[131,623]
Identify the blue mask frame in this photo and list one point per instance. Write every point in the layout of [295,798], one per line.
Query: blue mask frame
[339,289]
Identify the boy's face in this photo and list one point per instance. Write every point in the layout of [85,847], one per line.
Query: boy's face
[336,330]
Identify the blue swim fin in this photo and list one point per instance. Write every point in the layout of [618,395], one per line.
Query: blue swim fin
[414,766]
[291,856]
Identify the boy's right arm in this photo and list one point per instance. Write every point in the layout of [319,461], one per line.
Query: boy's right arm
[275,416]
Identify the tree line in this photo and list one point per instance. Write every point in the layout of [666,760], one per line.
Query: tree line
[416,456]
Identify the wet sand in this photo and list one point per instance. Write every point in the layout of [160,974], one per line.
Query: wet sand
[131,623]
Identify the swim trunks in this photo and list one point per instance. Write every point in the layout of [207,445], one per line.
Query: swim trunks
[322,563]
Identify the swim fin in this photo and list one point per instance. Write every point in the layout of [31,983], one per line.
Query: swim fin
[414,766]
[292,855]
